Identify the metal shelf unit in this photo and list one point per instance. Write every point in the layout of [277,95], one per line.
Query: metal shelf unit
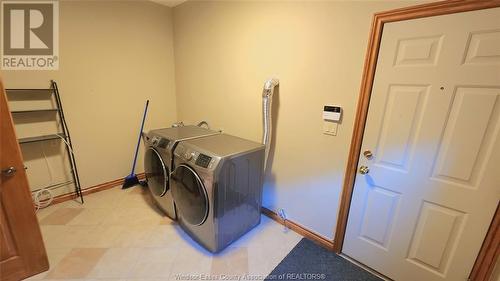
[48,110]
[41,138]
[64,135]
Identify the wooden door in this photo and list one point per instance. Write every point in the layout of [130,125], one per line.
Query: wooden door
[430,183]
[22,252]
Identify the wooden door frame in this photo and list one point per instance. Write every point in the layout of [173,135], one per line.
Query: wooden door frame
[490,250]
[379,19]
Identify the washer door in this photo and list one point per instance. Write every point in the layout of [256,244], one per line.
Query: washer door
[190,195]
[156,172]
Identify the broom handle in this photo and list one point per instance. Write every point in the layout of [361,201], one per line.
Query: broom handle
[140,133]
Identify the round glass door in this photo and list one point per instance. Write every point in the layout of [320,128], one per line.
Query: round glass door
[189,195]
[156,172]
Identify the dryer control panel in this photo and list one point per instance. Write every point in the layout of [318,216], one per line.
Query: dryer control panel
[203,160]
[194,157]
[160,142]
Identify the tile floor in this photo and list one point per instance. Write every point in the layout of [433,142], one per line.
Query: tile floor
[120,235]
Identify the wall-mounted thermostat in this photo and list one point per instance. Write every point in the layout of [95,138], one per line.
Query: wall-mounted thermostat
[332,113]
[331,119]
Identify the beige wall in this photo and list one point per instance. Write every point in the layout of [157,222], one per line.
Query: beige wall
[116,54]
[224,51]
[113,56]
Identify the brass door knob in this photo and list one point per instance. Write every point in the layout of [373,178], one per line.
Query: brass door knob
[364,170]
[368,154]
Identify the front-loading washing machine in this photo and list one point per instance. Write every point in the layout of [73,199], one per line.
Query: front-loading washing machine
[158,161]
[217,188]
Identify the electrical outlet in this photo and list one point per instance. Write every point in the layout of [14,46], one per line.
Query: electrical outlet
[281,213]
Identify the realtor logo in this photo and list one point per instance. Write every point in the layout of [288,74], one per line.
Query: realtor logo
[30,35]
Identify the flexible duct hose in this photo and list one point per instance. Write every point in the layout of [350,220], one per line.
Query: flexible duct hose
[203,123]
[267,100]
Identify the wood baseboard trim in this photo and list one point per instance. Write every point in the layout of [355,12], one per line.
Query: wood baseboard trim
[89,190]
[328,244]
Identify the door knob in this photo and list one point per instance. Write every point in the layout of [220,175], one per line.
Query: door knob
[9,172]
[368,154]
[364,170]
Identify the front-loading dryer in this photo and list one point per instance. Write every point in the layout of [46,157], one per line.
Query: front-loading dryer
[217,188]
[158,161]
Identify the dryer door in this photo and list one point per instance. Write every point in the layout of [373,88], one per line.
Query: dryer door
[156,172]
[190,195]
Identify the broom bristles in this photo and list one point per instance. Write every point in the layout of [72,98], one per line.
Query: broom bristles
[130,181]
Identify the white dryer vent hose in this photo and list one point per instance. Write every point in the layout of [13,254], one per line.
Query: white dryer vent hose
[267,105]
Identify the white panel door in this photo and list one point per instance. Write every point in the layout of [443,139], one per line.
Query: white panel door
[423,209]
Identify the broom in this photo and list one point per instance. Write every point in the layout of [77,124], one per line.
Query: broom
[132,179]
